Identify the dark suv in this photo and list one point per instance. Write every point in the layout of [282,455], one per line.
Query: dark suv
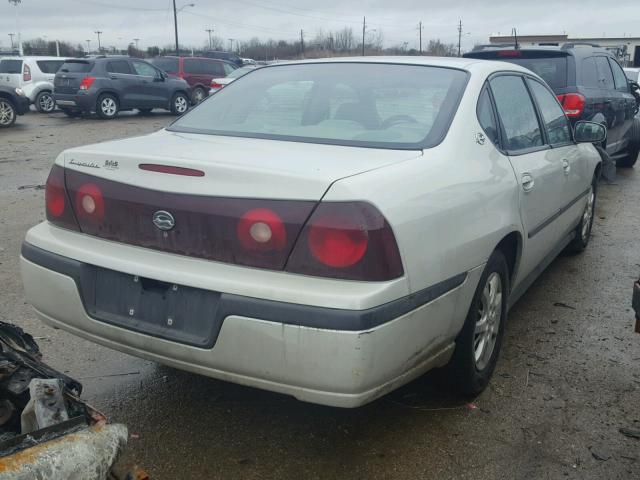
[197,71]
[590,85]
[107,85]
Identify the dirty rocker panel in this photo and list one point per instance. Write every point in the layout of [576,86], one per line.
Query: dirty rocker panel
[208,316]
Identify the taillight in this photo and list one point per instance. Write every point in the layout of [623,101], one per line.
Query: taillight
[349,240]
[90,202]
[216,86]
[86,83]
[58,208]
[26,73]
[262,230]
[572,103]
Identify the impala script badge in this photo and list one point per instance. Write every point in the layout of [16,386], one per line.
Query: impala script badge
[163,220]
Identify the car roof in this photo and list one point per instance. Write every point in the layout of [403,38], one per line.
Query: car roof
[576,49]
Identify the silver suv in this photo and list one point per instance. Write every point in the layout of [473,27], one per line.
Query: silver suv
[34,75]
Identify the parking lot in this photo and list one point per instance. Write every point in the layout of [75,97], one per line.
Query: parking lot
[566,382]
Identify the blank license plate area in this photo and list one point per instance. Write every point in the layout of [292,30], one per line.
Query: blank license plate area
[173,312]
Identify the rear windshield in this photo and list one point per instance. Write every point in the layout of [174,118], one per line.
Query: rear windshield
[76,66]
[551,66]
[49,66]
[169,65]
[359,104]
[10,66]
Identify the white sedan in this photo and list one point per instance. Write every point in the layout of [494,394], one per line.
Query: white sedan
[326,229]
[221,82]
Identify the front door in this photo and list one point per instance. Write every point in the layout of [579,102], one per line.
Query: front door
[151,91]
[537,168]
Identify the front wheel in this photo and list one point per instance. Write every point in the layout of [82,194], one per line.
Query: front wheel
[582,233]
[45,102]
[107,106]
[7,113]
[179,103]
[478,344]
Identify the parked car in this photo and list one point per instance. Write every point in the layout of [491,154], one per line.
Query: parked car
[13,102]
[197,72]
[248,61]
[107,85]
[327,229]
[218,83]
[589,83]
[34,76]
[228,56]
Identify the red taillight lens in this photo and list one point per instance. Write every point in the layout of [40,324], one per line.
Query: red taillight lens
[171,170]
[349,240]
[90,202]
[56,200]
[262,230]
[26,73]
[573,104]
[216,86]
[86,83]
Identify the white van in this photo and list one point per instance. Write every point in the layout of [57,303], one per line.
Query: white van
[34,75]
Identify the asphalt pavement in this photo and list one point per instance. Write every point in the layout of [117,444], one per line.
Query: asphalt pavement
[568,379]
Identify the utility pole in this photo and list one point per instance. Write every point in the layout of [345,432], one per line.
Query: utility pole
[210,30]
[175,27]
[15,3]
[301,43]
[88,46]
[460,38]
[11,37]
[136,40]
[420,34]
[231,45]
[98,32]
[364,29]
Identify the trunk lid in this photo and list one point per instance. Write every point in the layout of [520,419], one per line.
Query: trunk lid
[71,73]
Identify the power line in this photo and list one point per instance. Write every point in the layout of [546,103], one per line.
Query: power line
[120,7]
[239,24]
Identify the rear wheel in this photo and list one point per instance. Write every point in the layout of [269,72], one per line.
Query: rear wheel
[199,95]
[7,113]
[179,103]
[107,106]
[45,102]
[583,230]
[478,344]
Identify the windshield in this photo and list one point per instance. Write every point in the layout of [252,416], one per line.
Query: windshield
[359,104]
[169,65]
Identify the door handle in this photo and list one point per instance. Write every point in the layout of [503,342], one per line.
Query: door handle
[565,166]
[113,77]
[527,182]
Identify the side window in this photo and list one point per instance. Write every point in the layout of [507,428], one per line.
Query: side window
[619,78]
[118,66]
[516,112]
[143,68]
[590,73]
[49,66]
[486,117]
[552,114]
[191,66]
[604,73]
[227,68]
[213,68]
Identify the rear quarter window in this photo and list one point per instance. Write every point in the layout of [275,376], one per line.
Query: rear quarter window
[169,65]
[49,66]
[10,66]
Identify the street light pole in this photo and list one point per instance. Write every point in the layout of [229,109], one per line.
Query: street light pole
[15,4]
[210,30]
[11,37]
[98,32]
[175,26]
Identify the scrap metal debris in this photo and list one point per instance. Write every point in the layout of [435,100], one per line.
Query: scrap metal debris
[46,431]
[628,432]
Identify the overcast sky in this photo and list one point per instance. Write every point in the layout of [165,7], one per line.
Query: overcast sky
[152,20]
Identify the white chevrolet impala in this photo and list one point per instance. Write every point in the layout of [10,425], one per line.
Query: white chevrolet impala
[327,229]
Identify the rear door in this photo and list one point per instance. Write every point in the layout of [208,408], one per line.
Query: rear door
[538,169]
[627,100]
[71,73]
[10,72]
[612,105]
[123,81]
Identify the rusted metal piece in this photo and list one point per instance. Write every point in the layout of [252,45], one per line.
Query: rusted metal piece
[87,454]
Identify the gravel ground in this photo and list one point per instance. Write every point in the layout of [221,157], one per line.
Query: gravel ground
[568,379]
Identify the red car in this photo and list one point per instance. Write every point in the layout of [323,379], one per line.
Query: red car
[197,71]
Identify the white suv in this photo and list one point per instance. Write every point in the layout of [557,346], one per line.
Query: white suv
[34,75]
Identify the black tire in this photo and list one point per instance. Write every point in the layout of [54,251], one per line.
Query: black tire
[107,106]
[199,94]
[45,102]
[179,103]
[629,160]
[71,113]
[583,230]
[466,373]
[8,113]
[145,111]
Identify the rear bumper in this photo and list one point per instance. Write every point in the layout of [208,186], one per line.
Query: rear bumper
[75,101]
[22,105]
[337,357]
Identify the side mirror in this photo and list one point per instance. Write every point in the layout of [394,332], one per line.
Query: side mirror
[160,77]
[589,132]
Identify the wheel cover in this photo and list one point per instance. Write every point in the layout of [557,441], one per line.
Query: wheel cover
[108,106]
[6,113]
[181,104]
[46,103]
[199,95]
[488,323]
[587,216]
